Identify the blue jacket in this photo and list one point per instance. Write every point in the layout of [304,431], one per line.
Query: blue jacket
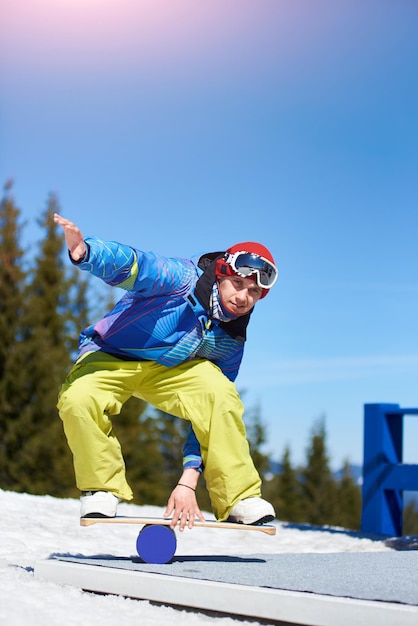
[164,316]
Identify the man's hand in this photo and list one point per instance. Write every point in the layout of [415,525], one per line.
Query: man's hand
[182,504]
[73,238]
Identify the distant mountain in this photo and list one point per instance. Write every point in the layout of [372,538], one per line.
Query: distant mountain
[356,472]
[275,467]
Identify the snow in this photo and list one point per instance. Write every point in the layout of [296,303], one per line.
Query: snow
[34,527]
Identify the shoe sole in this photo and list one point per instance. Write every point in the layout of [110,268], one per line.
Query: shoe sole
[97,515]
[263,520]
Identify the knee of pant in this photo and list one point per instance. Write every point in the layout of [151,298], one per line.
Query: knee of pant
[212,380]
[74,402]
[226,392]
[221,399]
[220,396]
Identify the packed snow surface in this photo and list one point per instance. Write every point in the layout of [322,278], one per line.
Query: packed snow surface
[32,528]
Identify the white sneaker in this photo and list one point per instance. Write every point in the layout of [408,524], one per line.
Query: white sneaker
[252,511]
[98,504]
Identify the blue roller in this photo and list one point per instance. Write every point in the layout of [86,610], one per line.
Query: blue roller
[156,544]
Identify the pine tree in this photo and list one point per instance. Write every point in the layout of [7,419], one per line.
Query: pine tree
[173,434]
[410,519]
[256,435]
[318,486]
[348,511]
[289,491]
[12,360]
[140,439]
[56,311]
[54,305]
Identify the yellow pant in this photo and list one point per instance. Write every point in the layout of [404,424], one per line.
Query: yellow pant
[97,387]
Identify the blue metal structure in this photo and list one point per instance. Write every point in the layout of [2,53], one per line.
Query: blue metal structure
[385,477]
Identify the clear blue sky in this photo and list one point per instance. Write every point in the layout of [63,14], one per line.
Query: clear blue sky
[183,126]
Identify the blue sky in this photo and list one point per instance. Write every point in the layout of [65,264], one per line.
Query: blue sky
[184,126]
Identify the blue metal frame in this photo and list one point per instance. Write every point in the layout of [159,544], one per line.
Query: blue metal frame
[385,477]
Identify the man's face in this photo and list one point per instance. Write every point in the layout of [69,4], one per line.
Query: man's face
[238,295]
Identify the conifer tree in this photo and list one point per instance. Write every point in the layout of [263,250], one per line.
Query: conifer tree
[256,435]
[202,495]
[410,519]
[318,486]
[54,305]
[173,434]
[12,360]
[140,438]
[348,511]
[289,505]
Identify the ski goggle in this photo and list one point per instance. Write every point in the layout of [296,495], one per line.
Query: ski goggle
[246,264]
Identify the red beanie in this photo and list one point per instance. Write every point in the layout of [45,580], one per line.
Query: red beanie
[224,269]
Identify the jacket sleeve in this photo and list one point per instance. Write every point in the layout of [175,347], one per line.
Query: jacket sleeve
[125,267]
[192,458]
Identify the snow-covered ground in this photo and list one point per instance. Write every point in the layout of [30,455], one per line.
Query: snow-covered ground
[34,527]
